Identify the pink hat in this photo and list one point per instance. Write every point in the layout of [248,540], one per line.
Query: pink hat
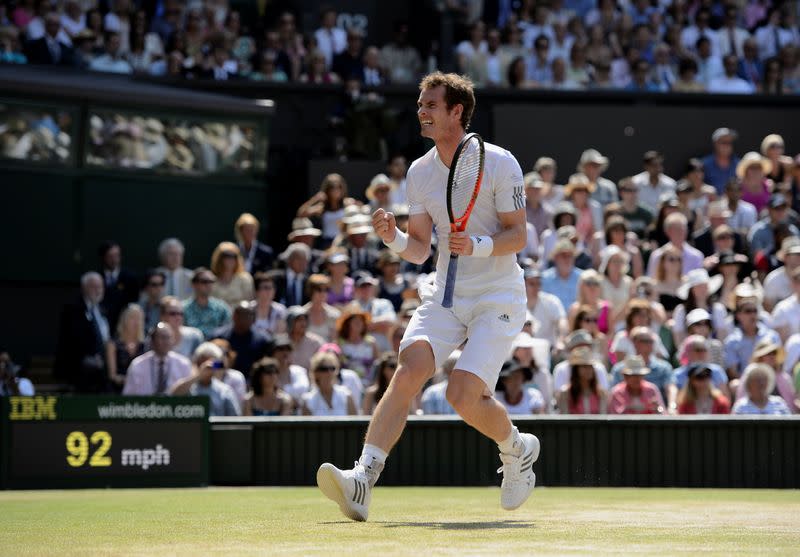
[330,347]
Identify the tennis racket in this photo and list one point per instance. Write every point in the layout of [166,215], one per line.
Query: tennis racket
[463,186]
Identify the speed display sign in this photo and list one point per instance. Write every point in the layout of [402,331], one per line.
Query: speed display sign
[104,441]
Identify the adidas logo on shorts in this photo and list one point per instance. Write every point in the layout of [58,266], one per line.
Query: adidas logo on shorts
[504,317]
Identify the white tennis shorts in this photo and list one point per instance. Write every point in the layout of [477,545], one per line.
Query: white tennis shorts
[488,323]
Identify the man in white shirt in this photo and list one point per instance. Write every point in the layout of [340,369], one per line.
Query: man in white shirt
[676,228]
[772,37]
[488,309]
[155,372]
[331,40]
[786,315]
[730,82]
[653,184]
[545,308]
[778,284]
[731,37]
[690,35]
[178,278]
[709,65]
[744,215]
[111,61]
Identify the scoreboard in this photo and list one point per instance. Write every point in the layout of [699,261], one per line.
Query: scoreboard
[104,441]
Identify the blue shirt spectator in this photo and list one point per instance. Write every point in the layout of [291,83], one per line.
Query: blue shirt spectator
[718,375]
[738,347]
[716,175]
[562,280]
[775,406]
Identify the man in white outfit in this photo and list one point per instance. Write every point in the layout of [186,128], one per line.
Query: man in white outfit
[488,302]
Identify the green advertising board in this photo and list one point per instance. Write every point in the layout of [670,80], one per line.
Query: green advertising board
[104,441]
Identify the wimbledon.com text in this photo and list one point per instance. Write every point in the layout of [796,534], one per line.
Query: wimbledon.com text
[135,410]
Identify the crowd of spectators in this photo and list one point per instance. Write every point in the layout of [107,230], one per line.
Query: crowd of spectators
[658,294]
[733,46]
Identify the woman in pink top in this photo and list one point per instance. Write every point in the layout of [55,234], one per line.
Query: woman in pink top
[582,395]
[753,170]
[635,395]
[589,294]
[588,211]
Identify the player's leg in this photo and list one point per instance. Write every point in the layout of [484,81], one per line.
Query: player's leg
[470,389]
[430,337]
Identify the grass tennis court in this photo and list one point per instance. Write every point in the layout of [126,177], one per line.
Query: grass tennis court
[403,521]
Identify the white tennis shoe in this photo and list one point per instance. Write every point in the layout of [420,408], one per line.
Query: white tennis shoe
[350,489]
[518,477]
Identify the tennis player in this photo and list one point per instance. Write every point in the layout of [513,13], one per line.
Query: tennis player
[488,305]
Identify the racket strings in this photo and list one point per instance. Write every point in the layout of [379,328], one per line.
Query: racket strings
[465,177]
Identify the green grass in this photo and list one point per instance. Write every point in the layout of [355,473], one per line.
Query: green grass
[403,521]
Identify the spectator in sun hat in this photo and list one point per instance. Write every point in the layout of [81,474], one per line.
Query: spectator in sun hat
[561,280]
[382,314]
[512,393]
[753,170]
[699,395]
[582,394]
[592,165]
[759,383]
[778,284]
[653,184]
[748,331]
[522,353]
[358,346]
[698,322]
[577,340]
[661,375]
[635,395]
[546,308]
[720,165]
[786,315]
[545,168]
[363,257]
[588,212]
[767,352]
[303,231]
[696,349]
[341,289]
[304,343]
[379,192]
[582,258]
[697,291]
[762,235]
[257,255]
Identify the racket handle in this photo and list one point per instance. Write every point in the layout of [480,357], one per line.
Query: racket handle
[450,282]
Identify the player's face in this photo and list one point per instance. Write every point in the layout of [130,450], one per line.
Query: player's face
[435,120]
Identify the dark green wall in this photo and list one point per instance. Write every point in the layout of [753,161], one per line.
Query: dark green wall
[576,451]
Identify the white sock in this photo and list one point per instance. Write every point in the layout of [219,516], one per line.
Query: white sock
[372,459]
[513,445]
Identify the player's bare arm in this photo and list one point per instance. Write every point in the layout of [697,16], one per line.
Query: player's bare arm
[420,228]
[511,239]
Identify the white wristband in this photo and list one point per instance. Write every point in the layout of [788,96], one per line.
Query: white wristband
[400,242]
[482,246]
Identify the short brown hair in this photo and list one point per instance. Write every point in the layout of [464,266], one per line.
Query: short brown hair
[457,90]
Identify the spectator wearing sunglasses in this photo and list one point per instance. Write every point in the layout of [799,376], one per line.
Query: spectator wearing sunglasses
[661,375]
[187,339]
[699,395]
[202,310]
[150,298]
[326,398]
[739,345]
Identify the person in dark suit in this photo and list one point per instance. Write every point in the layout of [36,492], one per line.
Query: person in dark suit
[121,285]
[258,257]
[349,64]
[249,344]
[83,333]
[363,257]
[290,283]
[705,240]
[49,49]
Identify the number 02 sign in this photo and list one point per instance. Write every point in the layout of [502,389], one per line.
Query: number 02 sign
[104,441]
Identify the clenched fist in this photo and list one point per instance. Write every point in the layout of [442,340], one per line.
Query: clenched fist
[460,243]
[384,225]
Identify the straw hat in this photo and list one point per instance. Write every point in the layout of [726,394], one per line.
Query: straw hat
[522,340]
[351,310]
[751,159]
[696,277]
[302,226]
[563,246]
[582,356]
[578,181]
[359,226]
[764,347]
[579,337]
[634,365]
[608,253]
[719,209]
[378,181]
[789,246]
[771,140]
